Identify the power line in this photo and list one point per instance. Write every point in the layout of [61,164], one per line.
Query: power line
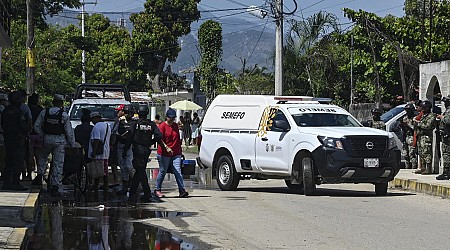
[259,38]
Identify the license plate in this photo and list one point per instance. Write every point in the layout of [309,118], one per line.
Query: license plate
[371,163]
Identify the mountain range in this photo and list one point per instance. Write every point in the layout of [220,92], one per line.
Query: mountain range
[252,40]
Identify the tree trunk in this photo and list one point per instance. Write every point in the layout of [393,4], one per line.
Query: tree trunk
[156,86]
[402,73]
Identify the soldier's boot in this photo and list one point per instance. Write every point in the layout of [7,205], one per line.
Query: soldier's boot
[427,170]
[444,175]
[407,165]
[124,190]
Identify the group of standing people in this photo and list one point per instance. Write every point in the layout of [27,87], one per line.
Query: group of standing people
[134,138]
[421,120]
[189,128]
[30,129]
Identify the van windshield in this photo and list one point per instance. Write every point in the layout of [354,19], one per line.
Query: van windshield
[107,110]
[391,113]
[325,120]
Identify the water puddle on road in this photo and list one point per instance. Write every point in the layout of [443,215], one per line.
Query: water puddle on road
[63,225]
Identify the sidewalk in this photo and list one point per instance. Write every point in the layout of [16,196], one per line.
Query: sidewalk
[16,212]
[426,184]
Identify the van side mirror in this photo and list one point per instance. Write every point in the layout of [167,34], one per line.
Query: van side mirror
[281,125]
[366,123]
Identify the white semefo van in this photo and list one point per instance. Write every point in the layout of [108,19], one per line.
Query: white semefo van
[296,139]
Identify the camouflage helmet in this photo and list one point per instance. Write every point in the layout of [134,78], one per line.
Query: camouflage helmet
[426,105]
[376,111]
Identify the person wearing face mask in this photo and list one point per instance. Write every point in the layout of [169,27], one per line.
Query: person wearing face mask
[377,122]
[425,126]
[408,134]
[125,158]
[445,128]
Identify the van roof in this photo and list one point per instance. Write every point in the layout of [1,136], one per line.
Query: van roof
[261,99]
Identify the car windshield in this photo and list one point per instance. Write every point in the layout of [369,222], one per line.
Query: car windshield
[325,120]
[391,113]
[107,110]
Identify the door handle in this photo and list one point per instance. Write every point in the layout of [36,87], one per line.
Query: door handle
[264,139]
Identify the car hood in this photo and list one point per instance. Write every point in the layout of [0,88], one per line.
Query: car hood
[338,132]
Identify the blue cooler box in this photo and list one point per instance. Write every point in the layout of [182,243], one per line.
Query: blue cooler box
[188,167]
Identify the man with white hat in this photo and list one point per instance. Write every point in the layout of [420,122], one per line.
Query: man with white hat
[54,125]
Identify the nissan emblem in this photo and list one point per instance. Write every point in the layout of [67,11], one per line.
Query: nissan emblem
[369,145]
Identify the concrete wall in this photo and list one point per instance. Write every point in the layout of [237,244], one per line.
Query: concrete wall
[430,74]
[362,111]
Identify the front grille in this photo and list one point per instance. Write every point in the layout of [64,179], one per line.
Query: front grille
[358,146]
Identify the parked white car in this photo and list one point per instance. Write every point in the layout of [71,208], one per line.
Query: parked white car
[105,106]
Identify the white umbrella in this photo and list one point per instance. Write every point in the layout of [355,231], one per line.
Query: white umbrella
[185,105]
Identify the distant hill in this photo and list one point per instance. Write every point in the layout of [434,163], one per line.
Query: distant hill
[240,37]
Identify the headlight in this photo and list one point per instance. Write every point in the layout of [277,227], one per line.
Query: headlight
[392,143]
[330,142]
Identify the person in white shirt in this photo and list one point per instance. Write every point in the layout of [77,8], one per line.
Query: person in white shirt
[99,146]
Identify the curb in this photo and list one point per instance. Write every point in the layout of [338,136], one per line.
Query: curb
[421,187]
[17,237]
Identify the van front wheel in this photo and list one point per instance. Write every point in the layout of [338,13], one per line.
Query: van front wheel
[227,177]
[309,185]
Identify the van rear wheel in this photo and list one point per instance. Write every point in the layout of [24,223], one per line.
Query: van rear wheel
[309,185]
[227,177]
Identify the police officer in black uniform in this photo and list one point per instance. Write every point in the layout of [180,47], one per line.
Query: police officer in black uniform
[125,163]
[15,127]
[143,133]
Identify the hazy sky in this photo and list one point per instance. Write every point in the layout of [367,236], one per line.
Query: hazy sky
[381,7]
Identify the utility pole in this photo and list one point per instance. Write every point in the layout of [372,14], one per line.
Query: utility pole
[30,60]
[279,48]
[83,53]
[431,29]
[351,72]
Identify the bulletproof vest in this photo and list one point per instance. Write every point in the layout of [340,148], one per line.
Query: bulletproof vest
[53,124]
[144,132]
[123,129]
[13,121]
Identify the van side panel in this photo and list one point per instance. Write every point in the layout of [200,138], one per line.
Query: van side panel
[232,117]
[239,143]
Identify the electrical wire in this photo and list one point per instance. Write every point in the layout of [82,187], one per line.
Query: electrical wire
[259,38]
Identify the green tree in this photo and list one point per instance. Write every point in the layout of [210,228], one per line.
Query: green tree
[255,80]
[56,71]
[110,54]
[210,43]
[308,43]
[41,9]
[156,33]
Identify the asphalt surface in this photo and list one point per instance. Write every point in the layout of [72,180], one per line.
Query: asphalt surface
[265,214]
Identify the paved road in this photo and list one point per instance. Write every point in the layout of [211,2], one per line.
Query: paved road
[265,214]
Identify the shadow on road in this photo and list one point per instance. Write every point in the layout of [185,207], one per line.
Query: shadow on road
[323,192]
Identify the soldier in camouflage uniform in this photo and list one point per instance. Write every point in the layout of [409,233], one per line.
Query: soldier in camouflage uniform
[425,127]
[377,122]
[408,130]
[445,128]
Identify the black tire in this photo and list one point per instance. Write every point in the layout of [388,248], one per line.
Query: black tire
[294,187]
[307,166]
[226,175]
[381,188]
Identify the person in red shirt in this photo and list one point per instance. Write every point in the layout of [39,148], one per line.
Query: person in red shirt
[170,155]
